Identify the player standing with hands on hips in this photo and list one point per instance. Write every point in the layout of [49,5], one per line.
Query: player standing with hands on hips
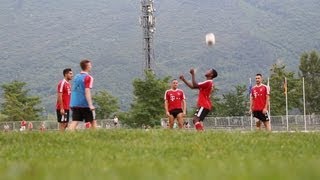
[81,99]
[63,99]
[204,102]
[259,103]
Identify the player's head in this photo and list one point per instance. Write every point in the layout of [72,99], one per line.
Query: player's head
[86,65]
[258,79]
[67,73]
[174,84]
[211,73]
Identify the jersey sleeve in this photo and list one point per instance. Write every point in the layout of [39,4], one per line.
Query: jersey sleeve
[183,95]
[268,90]
[60,87]
[166,96]
[88,82]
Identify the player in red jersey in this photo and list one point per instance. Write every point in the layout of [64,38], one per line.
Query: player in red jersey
[259,103]
[175,104]
[63,99]
[204,102]
[23,125]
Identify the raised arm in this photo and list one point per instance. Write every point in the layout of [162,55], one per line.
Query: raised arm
[193,77]
[189,84]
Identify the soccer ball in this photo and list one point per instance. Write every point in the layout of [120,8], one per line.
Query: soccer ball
[210,39]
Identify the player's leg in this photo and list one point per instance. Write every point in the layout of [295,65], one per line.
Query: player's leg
[258,124]
[89,117]
[203,115]
[196,120]
[73,125]
[171,121]
[76,117]
[66,120]
[180,120]
[257,115]
[267,125]
[93,124]
[59,119]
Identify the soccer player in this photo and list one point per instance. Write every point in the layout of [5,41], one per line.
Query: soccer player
[23,125]
[81,99]
[175,104]
[63,99]
[115,121]
[30,126]
[259,103]
[204,102]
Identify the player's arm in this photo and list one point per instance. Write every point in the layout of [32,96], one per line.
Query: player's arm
[166,107]
[88,85]
[89,98]
[193,79]
[60,101]
[189,84]
[265,110]
[184,106]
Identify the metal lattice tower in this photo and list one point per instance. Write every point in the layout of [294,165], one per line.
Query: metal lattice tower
[147,22]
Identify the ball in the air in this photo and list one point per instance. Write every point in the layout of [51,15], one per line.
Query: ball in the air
[210,39]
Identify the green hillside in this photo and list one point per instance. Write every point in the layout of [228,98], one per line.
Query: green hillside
[40,38]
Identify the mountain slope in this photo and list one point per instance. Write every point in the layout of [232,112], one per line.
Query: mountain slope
[38,39]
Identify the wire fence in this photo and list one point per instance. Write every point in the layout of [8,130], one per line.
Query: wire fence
[240,123]
[51,125]
[247,123]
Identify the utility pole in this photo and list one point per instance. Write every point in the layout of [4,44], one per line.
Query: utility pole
[147,22]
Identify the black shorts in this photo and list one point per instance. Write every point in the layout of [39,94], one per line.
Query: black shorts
[201,113]
[63,119]
[82,114]
[259,115]
[175,112]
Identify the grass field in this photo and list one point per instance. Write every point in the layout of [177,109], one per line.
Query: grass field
[159,154]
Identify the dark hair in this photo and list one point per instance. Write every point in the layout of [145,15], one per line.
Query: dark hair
[83,64]
[214,73]
[259,74]
[66,71]
[173,80]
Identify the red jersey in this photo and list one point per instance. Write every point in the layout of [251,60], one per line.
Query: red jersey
[205,89]
[174,98]
[64,87]
[23,123]
[259,97]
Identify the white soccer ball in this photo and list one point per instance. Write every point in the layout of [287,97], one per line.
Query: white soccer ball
[210,39]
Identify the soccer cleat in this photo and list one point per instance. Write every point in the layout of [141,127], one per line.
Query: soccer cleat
[198,126]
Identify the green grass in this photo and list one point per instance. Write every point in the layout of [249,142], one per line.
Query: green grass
[159,154]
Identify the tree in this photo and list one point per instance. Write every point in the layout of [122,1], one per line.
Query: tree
[147,107]
[106,104]
[18,104]
[310,70]
[278,73]
[234,103]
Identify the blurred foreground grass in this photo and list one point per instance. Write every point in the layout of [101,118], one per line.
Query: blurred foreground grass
[159,154]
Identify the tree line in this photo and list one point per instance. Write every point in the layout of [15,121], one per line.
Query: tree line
[147,105]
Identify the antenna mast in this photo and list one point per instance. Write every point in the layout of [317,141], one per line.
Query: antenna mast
[147,22]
